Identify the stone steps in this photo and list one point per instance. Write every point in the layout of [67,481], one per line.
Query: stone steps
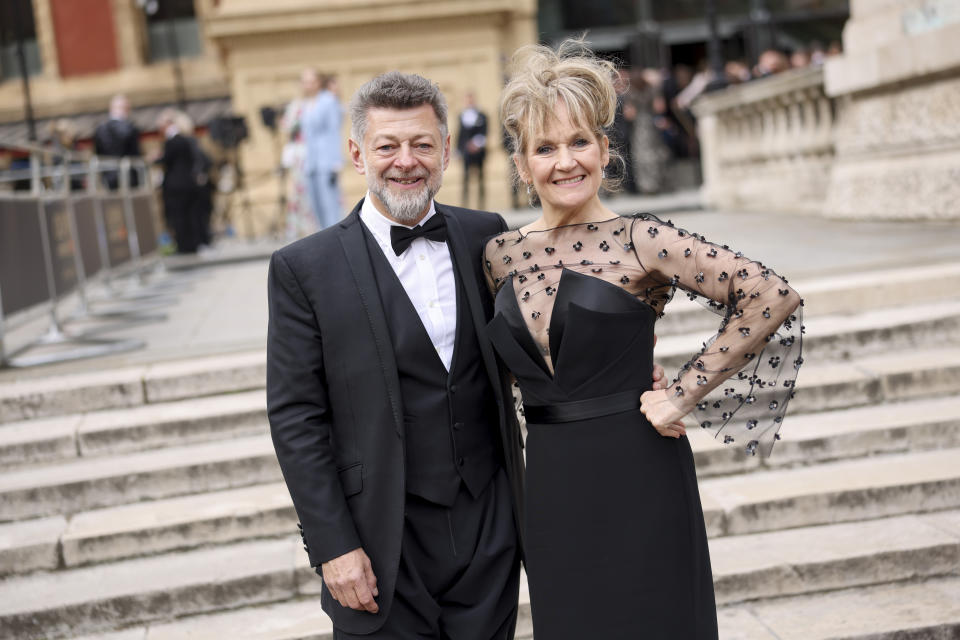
[892,377]
[765,500]
[810,438]
[750,567]
[147,502]
[842,337]
[857,294]
[927,610]
[833,492]
[871,380]
[923,610]
[133,429]
[162,382]
[79,485]
[851,294]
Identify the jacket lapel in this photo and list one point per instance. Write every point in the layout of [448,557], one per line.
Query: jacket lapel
[358,259]
[463,261]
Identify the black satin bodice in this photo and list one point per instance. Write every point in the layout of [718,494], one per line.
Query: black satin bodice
[601,342]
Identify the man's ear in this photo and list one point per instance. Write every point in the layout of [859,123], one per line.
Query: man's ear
[356,155]
[446,152]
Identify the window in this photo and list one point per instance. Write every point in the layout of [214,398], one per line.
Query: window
[10,11]
[172,29]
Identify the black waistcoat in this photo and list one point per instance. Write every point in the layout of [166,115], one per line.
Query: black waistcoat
[450,418]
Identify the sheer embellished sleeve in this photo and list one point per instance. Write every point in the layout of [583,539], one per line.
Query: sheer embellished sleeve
[739,384]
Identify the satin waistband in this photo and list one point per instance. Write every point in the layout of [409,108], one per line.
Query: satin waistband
[583,409]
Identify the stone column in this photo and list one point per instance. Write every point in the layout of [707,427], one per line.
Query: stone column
[897,132]
[131,33]
[46,38]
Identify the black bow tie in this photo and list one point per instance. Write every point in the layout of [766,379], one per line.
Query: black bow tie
[433,229]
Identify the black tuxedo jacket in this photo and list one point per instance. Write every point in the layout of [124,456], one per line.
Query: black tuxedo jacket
[333,395]
[117,138]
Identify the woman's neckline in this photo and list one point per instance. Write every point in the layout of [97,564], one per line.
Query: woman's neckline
[524,234]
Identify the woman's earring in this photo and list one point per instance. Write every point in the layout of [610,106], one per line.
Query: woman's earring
[603,173]
[531,195]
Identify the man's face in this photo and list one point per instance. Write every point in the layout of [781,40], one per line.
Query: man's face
[403,155]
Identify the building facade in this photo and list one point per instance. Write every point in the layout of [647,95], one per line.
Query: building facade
[81,52]
[463,45]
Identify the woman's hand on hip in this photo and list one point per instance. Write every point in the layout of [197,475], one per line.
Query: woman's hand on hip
[662,414]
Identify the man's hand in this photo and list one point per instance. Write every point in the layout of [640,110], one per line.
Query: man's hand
[662,414]
[351,581]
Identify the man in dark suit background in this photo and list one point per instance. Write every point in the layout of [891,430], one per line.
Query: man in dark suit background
[472,147]
[118,138]
[395,433]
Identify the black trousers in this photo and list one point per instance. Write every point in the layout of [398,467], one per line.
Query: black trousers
[459,572]
[473,165]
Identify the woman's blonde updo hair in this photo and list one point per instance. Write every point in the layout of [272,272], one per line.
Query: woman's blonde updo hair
[541,77]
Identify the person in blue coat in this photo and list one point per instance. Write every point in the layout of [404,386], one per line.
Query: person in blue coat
[324,158]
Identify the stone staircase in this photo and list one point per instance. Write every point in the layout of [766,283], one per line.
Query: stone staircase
[146,503]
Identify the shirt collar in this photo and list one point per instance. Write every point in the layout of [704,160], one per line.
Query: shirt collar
[380,225]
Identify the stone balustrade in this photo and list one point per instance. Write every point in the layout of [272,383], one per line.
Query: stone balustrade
[768,145]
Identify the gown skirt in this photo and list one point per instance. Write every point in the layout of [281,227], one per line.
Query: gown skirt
[616,546]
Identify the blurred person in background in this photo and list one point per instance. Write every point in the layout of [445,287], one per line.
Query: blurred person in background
[770,63]
[800,58]
[118,138]
[649,152]
[472,147]
[817,53]
[621,133]
[737,71]
[320,123]
[179,189]
[62,139]
[202,164]
[681,130]
[301,220]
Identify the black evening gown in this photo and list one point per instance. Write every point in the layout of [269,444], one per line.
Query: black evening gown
[616,546]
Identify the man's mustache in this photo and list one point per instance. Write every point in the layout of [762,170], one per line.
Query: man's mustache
[406,176]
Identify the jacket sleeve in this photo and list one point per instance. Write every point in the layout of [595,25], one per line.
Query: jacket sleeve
[300,418]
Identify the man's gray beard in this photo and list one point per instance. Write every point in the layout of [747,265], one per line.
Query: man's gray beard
[407,207]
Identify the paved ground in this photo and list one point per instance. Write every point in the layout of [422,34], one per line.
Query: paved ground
[220,305]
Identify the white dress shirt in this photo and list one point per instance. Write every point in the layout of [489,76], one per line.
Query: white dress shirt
[425,270]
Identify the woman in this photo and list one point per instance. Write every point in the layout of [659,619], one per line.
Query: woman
[615,540]
[300,220]
[180,191]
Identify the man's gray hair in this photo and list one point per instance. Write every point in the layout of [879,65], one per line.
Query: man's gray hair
[395,90]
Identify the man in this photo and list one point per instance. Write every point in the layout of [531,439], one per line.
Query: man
[118,138]
[320,124]
[472,146]
[394,430]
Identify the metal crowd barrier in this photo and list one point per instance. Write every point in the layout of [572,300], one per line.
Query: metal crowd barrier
[67,232]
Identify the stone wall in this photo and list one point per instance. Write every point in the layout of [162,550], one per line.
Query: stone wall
[898,135]
[768,145]
[874,134]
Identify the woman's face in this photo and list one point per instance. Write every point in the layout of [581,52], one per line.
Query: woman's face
[565,162]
